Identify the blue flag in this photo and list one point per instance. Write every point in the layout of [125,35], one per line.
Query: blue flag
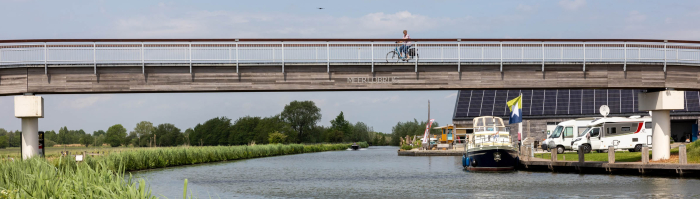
[516,110]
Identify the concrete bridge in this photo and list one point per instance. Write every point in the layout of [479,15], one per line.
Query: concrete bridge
[226,65]
[63,66]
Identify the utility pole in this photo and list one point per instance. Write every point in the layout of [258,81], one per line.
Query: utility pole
[428,110]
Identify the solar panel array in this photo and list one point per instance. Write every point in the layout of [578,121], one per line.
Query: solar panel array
[550,102]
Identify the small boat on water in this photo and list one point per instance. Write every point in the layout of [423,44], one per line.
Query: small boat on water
[490,147]
[355,146]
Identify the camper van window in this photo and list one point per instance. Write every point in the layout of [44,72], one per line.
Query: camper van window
[569,132]
[584,132]
[557,132]
[647,125]
[612,130]
[581,130]
[625,129]
[595,132]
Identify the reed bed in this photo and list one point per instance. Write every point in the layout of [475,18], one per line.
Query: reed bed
[104,176]
[38,178]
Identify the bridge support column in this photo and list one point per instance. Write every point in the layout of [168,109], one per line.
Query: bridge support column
[660,104]
[29,108]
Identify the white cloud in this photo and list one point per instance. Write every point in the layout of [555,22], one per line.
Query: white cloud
[133,103]
[83,102]
[635,17]
[241,25]
[572,4]
[525,8]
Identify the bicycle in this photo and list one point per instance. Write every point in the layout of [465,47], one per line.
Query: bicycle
[394,55]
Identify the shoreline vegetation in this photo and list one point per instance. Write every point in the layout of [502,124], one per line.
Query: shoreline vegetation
[106,176]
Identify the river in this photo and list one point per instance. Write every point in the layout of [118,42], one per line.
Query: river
[377,172]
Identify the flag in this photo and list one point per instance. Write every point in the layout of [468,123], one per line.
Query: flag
[516,112]
[426,136]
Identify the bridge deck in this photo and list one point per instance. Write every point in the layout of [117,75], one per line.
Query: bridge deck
[221,65]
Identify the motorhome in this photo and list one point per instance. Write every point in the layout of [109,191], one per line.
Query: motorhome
[630,133]
[564,134]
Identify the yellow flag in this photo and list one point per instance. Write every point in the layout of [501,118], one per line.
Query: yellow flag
[518,100]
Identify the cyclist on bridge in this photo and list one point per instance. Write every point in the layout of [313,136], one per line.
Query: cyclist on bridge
[403,50]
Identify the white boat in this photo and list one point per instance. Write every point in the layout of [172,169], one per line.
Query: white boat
[491,148]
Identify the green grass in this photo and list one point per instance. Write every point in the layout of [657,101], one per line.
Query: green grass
[56,151]
[103,176]
[620,156]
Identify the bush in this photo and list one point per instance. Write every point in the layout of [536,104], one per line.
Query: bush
[277,137]
[49,143]
[406,147]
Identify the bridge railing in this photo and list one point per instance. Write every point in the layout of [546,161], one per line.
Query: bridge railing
[15,53]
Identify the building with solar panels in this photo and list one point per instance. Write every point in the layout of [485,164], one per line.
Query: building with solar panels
[545,108]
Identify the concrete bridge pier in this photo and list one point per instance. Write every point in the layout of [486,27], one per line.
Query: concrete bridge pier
[660,103]
[29,108]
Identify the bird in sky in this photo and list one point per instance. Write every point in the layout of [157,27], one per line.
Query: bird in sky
[320,8]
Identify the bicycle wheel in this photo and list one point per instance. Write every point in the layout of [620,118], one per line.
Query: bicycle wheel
[392,56]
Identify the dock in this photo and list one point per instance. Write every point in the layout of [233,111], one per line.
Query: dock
[585,167]
[431,153]
[626,168]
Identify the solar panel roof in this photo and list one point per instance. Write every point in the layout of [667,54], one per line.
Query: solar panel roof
[557,102]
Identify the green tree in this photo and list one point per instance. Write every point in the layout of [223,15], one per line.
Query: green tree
[410,128]
[186,138]
[15,139]
[271,124]
[301,116]
[116,135]
[3,132]
[277,137]
[167,135]
[62,135]
[132,139]
[213,132]
[3,141]
[360,132]
[334,135]
[86,140]
[50,135]
[100,140]
[342,125]
[243,130]
[143,131]
[98,133]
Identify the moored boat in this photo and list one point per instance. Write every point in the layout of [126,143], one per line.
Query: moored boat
[490,148]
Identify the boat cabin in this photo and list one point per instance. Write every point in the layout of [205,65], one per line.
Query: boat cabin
[490,131]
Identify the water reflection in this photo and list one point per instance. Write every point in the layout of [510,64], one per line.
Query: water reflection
[379,173]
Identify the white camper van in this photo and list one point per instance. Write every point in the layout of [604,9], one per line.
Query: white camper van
[565,133]
[622,133]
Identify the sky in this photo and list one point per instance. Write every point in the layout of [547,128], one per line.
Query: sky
[579,19]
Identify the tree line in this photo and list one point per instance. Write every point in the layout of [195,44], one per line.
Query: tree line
[297,123]
[411,128]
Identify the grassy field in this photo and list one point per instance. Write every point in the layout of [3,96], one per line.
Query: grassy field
[56,151]
[620,156]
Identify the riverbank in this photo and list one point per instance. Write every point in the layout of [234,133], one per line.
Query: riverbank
[103,176]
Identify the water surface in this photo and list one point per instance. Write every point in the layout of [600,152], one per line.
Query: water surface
[377,172]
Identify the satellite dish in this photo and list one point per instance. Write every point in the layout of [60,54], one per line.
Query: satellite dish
[604,110]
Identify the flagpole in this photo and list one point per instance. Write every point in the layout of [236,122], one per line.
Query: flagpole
[520,126]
